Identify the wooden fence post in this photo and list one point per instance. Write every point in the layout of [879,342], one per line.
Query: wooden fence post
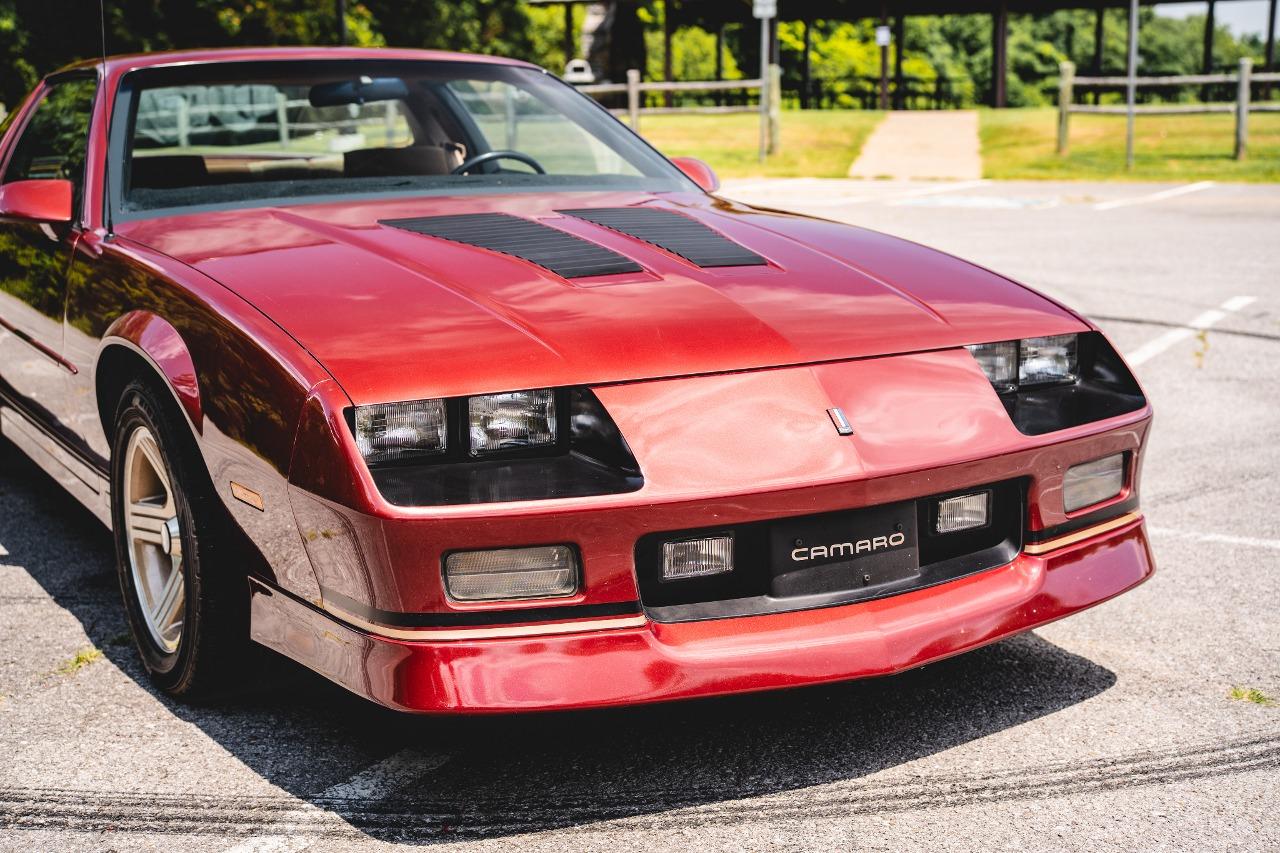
[1242,109]
[633,98]
[1066,82]
[775,108]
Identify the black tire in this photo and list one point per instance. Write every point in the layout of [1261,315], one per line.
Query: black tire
[214,632]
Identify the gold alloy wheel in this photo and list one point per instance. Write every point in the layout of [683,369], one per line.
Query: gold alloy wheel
[154,539]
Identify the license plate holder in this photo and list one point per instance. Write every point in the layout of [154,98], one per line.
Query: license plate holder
[845,551]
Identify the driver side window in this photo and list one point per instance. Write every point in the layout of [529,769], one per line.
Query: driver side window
[54,143]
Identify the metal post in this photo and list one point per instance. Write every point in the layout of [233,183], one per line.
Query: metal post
[1099,33]
[668,29]
[1000,55]
[899,36]
[1131,93]
[806,67]
[764,88]
[1270,53]
[884,59]
[342,21]
[570,44]
[633,98]
[719,96]
[775,108]
[1066,82]
[1207,65]
[1242,109]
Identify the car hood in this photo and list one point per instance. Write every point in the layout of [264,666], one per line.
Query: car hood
[395,315]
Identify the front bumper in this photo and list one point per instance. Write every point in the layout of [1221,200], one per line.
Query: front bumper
[660,661]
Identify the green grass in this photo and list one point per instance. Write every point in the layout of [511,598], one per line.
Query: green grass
[83,658]
[1020,144]
[814,144]
[1251,694]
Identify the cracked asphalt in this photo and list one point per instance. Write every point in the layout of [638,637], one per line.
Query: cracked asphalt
[1115,728]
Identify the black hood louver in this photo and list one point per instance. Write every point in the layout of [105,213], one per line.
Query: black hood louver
[562,253]
[678,234]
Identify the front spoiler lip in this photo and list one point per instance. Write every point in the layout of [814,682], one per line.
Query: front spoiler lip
[667,662]
[336,610]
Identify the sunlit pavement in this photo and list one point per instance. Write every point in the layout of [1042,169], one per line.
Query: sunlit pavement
[1113,728]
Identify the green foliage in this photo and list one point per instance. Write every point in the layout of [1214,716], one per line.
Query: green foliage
[693,50]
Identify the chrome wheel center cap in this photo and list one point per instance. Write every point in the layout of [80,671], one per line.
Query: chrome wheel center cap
[169,533]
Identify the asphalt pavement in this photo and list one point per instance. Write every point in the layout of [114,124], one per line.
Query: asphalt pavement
[1115,728]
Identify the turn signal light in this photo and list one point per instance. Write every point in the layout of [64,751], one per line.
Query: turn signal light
[1093,482]
[511,573]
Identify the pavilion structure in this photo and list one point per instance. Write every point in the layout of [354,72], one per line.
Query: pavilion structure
[715,15]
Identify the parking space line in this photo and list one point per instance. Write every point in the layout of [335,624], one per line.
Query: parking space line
[1199,323]
[373,783]
[1156,196]
[894,197]
[1217,538]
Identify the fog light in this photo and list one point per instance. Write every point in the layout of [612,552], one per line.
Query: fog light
[964,512]
[1093,482]
[511,573]
[694,558]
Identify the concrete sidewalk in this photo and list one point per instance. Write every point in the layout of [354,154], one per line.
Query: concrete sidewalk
[922,145]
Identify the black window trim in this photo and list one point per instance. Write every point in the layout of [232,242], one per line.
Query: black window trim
[41,92]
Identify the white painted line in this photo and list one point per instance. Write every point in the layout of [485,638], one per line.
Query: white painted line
[4,552]
[373,783]
[1157,196]
[1218,538]
[1199,323]
[892,198]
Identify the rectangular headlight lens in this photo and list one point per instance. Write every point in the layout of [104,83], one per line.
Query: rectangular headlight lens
[694,558]
[1093,482]
[964,512]
[390,431]
[1048,361]
[510,573]
[520,419]
[999,361]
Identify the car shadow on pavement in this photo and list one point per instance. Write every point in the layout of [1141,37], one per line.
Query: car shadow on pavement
[493,776]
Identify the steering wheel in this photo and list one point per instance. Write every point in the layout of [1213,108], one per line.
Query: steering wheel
[490,156]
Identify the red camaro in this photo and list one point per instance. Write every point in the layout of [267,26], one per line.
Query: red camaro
[424,371]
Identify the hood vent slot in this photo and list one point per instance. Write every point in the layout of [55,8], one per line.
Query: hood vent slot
[562,253]
[678,234]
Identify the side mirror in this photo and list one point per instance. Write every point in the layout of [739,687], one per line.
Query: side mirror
[699,172]
[42,201]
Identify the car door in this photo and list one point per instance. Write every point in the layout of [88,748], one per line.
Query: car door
[35,256]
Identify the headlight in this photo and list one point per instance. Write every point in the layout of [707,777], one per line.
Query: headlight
[514,421]
[1000,362]
[1047,361]
[1033,362]
[391,431]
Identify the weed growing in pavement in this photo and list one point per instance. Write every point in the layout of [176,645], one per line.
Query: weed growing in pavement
[1251,694]
[83,658]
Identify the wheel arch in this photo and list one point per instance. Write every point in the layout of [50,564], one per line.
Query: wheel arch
[143,345]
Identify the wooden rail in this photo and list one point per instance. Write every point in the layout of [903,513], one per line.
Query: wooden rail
[769,107]
[1241,107]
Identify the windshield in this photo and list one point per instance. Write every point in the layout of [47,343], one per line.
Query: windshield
[227,134]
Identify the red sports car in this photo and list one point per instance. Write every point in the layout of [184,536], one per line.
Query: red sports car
[424,371]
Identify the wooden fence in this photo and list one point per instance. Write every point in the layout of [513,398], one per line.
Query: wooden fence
[1241,107]
[769,100]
